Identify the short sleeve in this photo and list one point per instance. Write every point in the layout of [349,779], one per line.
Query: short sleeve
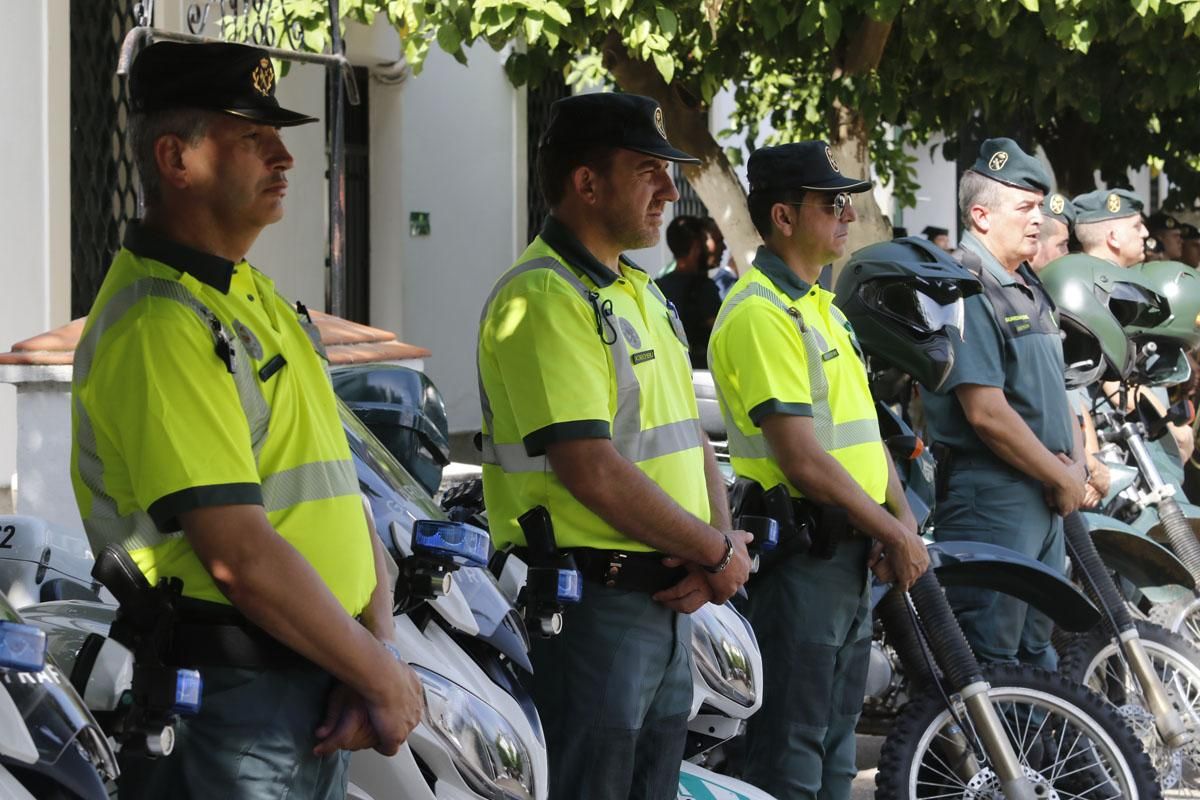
[553,366]
[979,355]
[169,408]
[767,363]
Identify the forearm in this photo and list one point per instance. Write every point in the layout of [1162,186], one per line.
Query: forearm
[1079,454]
[821,477]
[1010,438]
[624,497]
[897,499]
[718,495]
[377,616]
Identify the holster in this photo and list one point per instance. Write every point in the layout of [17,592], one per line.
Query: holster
[943,457]
[805,527]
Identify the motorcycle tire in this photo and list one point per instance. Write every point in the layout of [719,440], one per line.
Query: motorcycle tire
[1103,759]
[1093,660]
[1182,618]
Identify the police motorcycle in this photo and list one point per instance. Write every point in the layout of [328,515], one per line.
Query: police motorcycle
[51,746]
[966,730]
[405,412]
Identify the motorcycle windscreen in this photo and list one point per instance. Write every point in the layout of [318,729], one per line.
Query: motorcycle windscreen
[70,744]
[499,623]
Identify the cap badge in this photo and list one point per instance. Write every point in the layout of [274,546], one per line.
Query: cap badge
[263,77]
[1114,203]
[1057,204]
[997,162]
[658,122]
[1169,222]
[832,164]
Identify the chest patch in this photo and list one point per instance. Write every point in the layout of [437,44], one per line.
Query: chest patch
[249,341]
[629,332]
[642,357]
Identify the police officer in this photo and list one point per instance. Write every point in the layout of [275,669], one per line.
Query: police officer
[1058,215]
[939,236]
[589,412]
[688,288]
[800,416]
[1169,232]
[207,444]
[1012,458]
[1190,249]
[1108,225]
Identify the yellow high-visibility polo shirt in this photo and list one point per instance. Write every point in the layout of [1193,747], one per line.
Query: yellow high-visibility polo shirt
[568,350]
[780,346]
[161,425]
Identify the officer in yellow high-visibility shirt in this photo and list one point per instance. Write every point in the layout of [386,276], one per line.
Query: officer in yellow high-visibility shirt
[207,445]
[802,427]
[589,412]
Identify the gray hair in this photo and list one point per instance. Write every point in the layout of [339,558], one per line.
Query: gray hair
[1091,235]
[976,190]
[145,128]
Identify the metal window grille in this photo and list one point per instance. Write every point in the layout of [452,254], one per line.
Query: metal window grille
[689,202]
[103,190]
[357,197]
[537,116]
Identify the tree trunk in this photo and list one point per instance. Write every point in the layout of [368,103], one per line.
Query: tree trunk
[686,121]
[849,136]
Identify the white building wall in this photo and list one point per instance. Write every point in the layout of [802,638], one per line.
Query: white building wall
[35,282]
[937,197]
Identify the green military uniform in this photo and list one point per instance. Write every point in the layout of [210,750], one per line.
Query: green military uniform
[1012,342]
[197,385]
[568,350]
[780,346]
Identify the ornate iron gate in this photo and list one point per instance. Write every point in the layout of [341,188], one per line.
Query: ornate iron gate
[103,191]
[537,116]
[689,202]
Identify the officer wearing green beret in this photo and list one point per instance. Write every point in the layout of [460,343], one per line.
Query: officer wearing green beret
[207,444]
[1190,250]
[589,412]
[1011,458]
[801,421]
[1109,225]
[1168,230]
[1058,215]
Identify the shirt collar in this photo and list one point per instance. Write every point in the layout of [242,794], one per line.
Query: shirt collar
[566,244]
[990,262]
[780,274]
[205,267]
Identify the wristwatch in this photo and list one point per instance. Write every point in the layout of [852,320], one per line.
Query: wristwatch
[724,562]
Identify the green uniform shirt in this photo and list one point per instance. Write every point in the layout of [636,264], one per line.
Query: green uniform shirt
[1010,341]
[162,427]
[568,350]
[780,346]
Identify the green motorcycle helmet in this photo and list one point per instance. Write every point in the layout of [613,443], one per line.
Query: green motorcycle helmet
[904,300]
[1162,343]
[1093,296]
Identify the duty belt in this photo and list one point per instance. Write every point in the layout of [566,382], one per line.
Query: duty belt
[215,635]
[618,569]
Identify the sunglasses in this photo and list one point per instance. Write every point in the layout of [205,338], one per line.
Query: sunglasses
[841,201]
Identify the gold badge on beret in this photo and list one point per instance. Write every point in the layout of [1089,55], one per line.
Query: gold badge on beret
[997,162]
[1114,203]
[658,122]
[263,77]
[1057,204]
[832,163]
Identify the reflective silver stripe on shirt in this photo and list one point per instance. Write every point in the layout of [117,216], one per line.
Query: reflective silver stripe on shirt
[628,436]
[319,480]
[830,435]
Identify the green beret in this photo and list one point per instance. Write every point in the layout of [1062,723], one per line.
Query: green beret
[1162,221]
[1003,160]
[1058,207]
[1105,204]
[1190,231]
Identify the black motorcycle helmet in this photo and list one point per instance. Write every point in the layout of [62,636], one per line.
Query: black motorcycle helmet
[904,299]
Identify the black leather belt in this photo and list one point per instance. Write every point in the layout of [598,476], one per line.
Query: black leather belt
[618,569]
[214,635]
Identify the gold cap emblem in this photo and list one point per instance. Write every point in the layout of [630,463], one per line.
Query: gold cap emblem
[658,121]
[997,162]
[1057,204]
[1114,203]
[832,164]
[263,77]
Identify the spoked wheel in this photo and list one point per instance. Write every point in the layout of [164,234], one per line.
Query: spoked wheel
[1094,660]
[1182,618]
[1070,743]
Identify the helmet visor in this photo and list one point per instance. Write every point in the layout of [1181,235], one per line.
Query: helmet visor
[1135,305]
[926,306]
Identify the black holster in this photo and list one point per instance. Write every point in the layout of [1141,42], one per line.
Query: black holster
[805,527]
[944,462]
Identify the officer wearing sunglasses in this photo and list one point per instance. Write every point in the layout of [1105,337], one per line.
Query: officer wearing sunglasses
[804,441]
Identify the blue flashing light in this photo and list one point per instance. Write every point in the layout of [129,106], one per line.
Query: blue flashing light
[464,544]
[22,647]
[570,587]
[771,540]
[188,688]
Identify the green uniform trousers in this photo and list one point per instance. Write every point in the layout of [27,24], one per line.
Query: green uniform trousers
[812,618]
[614,691]
[252,740]
[999,506]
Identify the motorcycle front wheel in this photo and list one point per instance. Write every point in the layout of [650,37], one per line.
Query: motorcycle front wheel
[1069,742]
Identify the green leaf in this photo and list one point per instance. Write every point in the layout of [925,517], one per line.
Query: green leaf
[1030,5]
[517,69]
[665,65]
[448,38]
[833,22]
[533,28]
[556,12]
[667,21]
[618,7]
